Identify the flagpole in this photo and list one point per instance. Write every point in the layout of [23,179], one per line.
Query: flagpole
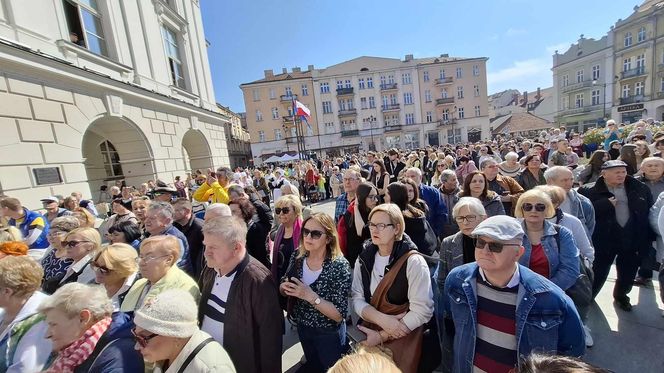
[295,123]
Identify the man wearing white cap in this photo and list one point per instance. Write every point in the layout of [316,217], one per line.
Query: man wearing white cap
[53,209]
[497,310]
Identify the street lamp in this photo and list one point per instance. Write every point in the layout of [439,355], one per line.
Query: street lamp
[603,100]
[371,119]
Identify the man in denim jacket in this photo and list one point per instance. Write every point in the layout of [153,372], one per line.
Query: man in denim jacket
[497,311]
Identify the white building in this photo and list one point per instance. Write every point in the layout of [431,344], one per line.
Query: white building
[96,91]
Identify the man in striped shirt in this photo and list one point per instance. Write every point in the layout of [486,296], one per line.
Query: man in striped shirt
[497,311]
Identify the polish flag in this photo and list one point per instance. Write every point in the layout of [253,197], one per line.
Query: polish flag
[302,110]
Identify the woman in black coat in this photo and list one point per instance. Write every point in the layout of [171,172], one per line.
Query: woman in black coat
[258,228]
[417,226]
[352,227]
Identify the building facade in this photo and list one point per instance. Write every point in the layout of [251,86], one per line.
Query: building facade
[92,92]
[371,103]
[583,83]
[239,144]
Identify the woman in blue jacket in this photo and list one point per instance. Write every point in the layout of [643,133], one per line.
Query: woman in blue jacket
[550,249]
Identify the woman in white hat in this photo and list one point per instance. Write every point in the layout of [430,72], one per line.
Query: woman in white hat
[167,335]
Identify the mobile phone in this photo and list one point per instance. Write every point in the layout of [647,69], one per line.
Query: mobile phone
[213,174]
[355,334]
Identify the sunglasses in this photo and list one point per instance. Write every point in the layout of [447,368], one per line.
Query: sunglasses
[494,247]
[279,210]
[539,207]
[312,232]
[101,269]
[72,243]
[142,340]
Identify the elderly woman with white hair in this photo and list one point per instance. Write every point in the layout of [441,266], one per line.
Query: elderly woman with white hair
[86,336]
[510,166]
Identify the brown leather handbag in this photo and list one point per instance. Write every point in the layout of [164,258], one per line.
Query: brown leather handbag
[406,350]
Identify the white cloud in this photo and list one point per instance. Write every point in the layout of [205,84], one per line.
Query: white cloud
[525,74]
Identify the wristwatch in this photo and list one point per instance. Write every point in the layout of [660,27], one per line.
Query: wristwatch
[316,301]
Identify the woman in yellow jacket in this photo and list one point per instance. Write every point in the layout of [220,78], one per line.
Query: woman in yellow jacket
[214,189]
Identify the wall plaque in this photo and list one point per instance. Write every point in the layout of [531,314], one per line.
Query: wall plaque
[47,175]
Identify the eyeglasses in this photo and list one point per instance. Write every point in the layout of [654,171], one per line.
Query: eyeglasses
[72,243]
[311,232]
[380,226]
[279,210]
[539,207]
[142,340]
[468,218]
[146,259]
[101,269]
[494,247]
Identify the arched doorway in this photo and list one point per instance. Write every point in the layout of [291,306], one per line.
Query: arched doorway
[115,149]
[196,153]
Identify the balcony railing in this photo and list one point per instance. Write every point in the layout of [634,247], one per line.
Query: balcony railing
[631,99]
[393,127]
[349,112]
[582,109]
[344,91]
[444,81]
[445,101]
[287,119]
[349,133]
[288,98]
[388,86]
[391,107]
[291,140]
[633,72]
[446,122]
[577,86]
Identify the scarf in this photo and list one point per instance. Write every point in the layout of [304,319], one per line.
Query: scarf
[80,350]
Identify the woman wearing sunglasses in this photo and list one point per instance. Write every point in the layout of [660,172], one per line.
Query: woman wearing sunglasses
[54,262]
[80,246]
[352,227]
[288,211]
[550,249]
[391,289]
[476,185]
[116,269]
[318,283]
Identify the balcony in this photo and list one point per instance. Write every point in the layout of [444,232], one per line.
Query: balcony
[393,127]
[446,122]
[288,119]
[443,81]
[444,101]
[391,107]
[291,140]
[631,99]
[287,98]
[633,73]
[577,86]
[581,110]
[388,86]
[345,91]
[347,113]
[349,133]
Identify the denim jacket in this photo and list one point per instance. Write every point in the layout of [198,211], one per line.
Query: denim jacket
[563,261]
[546,319]
[583,209]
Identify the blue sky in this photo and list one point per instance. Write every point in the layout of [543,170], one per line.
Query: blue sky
[518,36]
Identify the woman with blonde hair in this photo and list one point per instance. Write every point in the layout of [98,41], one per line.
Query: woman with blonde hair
[366,359]
[318,283]
[10,233]
[85,218]
[288,212]
[116,269]
[80,245]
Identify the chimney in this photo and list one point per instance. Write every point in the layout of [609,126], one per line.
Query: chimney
[409,57]
[268,73]
[539,94]
[515,99]
[525,98]
[284,70]
[310,68]
[296,70]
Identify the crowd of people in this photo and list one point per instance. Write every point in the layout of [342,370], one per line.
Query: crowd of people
[463,257]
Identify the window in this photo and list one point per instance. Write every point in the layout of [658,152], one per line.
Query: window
[372,102]
[460,92]
[342,105]
[261,136]
[627,64]
[443,94]
[406,78]
[578,100]
[363,102]
[407,98]
[446,114]
[111,157]
[441,74]
[391,120]
[273,94]
[579,76]
[476,90]
[563,103]
[327,107]
[425,76]
[289,92]
[275,113]
[594,97]
[256,94]
[641,36]
[661,84]
[476,70]
[639,88]
[625,90]
[329,127]
[411,140]
[340,84]
[628,39]
[369,82]
[386,103]
[360,83]
[427,96]
[390,79]
[259,116]
[277,134]
[429,117]
[461,113]
[305,90]
[84,24]
[410,118]
[477,110]
[393,99]
[596,72]
[641,63]
[565,80]
[454,136]
[459,72]
[325,87]
[173,57]
[348,84]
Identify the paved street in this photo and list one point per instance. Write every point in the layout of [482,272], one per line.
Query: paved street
[624,342]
